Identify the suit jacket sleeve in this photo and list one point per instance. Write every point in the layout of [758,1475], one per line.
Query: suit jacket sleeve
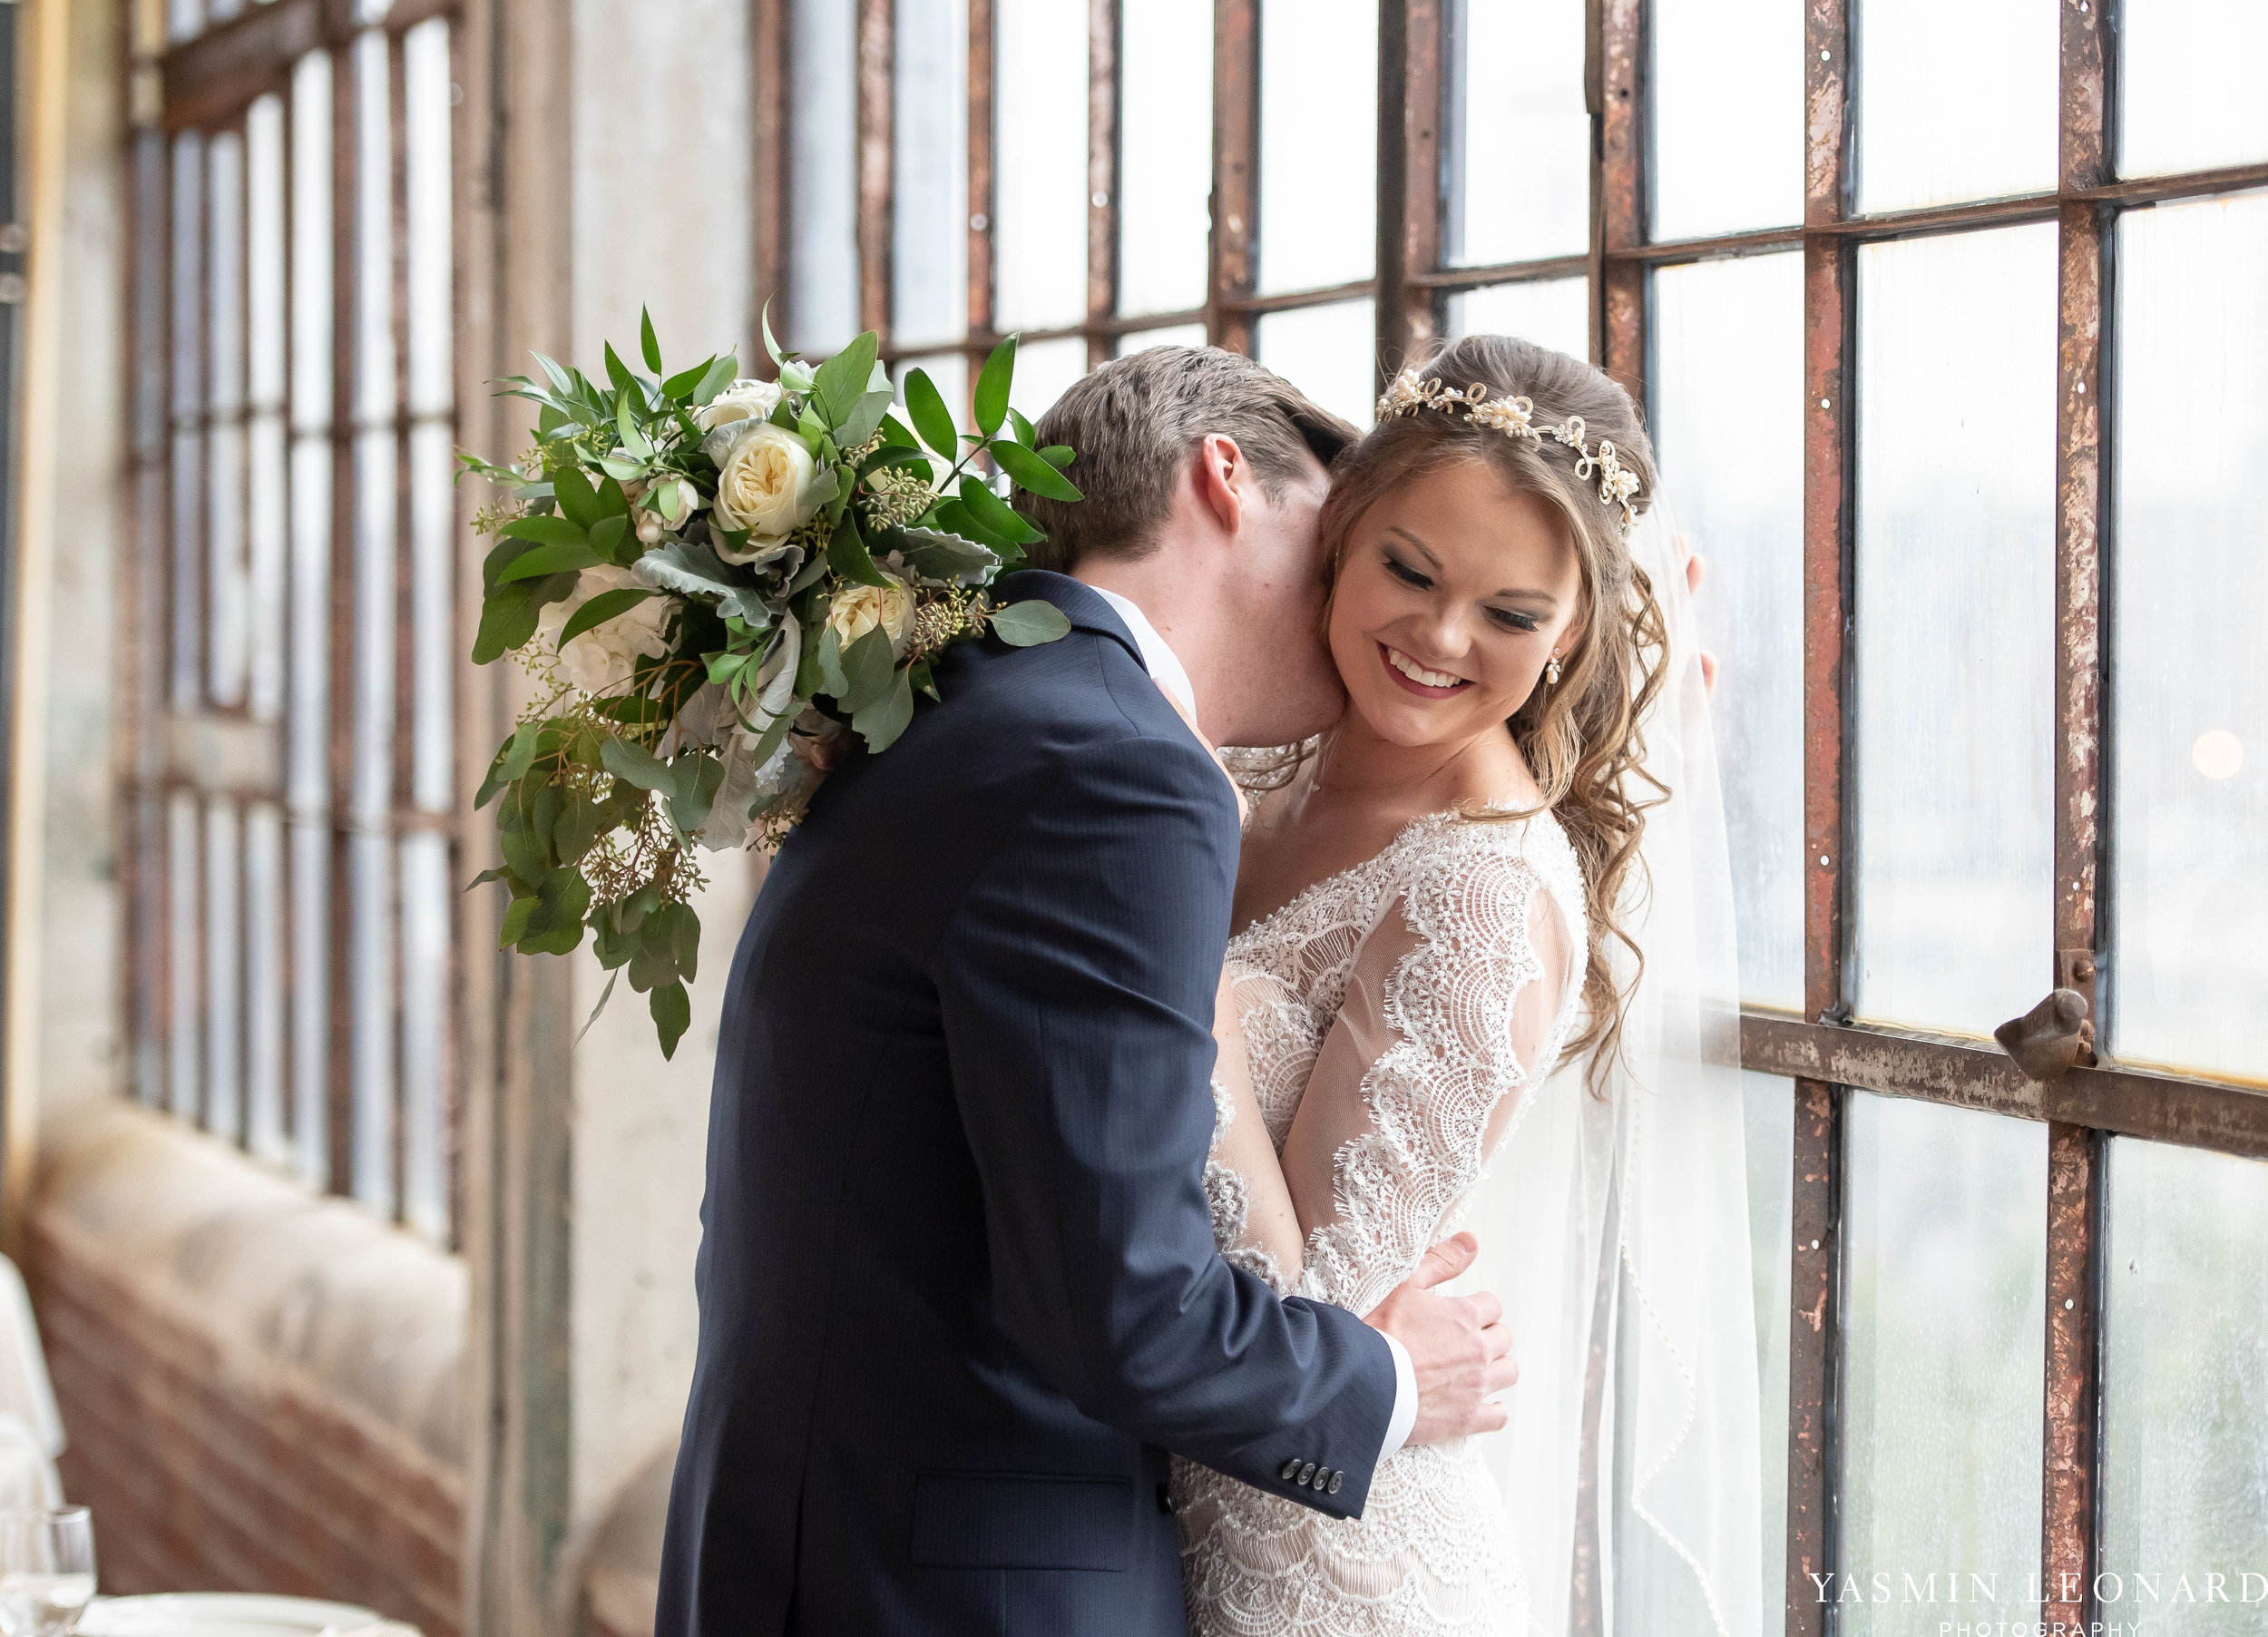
[1076,980]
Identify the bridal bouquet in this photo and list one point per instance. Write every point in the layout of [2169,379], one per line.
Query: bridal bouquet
[696,568]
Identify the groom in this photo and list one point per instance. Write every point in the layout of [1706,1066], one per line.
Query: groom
[959,1293]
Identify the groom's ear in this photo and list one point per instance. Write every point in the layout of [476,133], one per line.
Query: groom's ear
[1223,479]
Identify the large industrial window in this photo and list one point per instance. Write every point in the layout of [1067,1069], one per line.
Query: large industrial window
[1948,321]
[291,858]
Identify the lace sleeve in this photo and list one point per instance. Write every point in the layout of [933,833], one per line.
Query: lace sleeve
[1455,998]
[1253,1221]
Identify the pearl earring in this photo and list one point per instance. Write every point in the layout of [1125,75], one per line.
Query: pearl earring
[1551,670]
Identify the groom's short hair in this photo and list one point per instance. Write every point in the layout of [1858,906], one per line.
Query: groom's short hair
[1134,422]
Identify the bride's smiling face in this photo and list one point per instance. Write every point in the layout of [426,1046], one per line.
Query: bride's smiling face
[1454,589]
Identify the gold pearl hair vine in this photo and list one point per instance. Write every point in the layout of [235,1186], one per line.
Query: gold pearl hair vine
[1514,417]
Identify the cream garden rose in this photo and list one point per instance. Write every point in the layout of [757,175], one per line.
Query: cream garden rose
[857,610]
[767,484]
[741,401]
[602,659]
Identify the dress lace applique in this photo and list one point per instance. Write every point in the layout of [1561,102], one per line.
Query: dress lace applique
[1433,1554]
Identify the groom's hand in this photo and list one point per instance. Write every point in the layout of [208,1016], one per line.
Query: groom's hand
[1459,1348]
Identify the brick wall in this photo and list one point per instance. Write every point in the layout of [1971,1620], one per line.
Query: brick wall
[204,1427]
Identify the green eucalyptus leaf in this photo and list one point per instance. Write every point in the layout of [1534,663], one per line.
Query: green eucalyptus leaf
[719,374]
[546,560]
[680,386]
[1029,624]
[864,419]
[1020,429]
[617,372]
[611,538]
[895,436]
[883,720]
[991,386]
[841,380]
[545,530]
[867,665]
[516,915]
[997,516]
[634,439]
[847,553]
[1028,471]
[685,941]
[825,658]
[647,343]
[578,826]
[935,554]
[954,518]
[673,1011]
[634,765]
[764,322]
[1059,455]
[925,406]
[579,502]
[601,609]
[697,780]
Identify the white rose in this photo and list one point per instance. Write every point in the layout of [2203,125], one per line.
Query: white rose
[767,484]
[741,401]
[601,660]
[857,610]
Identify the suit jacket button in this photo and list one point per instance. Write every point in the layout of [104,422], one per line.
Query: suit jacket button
[1305,1473]
[1322,1475]
[1338,1478]
[1290,1468]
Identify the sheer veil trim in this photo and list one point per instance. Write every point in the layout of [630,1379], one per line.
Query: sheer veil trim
[1634,1440]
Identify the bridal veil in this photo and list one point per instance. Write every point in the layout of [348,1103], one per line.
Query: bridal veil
[1615,1231]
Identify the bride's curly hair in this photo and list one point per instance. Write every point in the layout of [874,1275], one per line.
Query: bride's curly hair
[1581,739]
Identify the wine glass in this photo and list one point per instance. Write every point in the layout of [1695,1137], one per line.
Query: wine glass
[46,1571]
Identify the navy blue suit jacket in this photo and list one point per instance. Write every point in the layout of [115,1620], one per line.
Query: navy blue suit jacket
[959,1294]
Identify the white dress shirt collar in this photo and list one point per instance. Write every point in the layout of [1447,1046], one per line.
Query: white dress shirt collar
[1163,664]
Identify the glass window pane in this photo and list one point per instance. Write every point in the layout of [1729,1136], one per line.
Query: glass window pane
[370,989]
[187,532]
[2189,695]
[1957,100]
[1165,155]
[1327,352]
[432,521]
[374,391]
[1172,334]
[185,949]
[2184,1388]
[1518,168]
[1551,312]
[1040,165]
[929,260]
[264,981]
[1768,1105]
[1728,432]
[264,251]
[311,243]
[1955,590]
[1043,369]
[425,900]
[426,154]
[228,640]
[310,1002]
[224,971]
[2189,84]
[1318,144]
[1728,116]
[822,302]
[1946,1236]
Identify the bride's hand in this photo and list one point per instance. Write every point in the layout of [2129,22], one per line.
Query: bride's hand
[1692,562]
[1460,1350]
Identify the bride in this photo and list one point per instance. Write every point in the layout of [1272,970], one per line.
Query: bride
[1441,900]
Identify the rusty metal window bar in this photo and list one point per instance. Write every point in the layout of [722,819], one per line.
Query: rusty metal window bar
[289,900]
[1590,190]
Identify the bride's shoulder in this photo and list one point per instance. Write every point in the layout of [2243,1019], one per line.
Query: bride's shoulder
[1488,852]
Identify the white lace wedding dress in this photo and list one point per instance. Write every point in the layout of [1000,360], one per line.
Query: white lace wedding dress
[1397,1015]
